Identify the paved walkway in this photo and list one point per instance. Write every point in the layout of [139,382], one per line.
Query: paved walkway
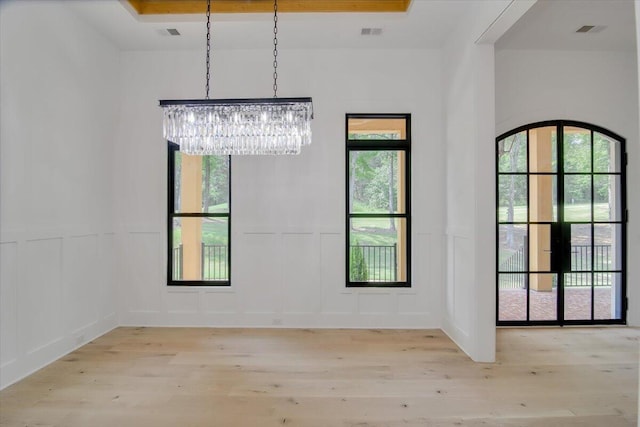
[513,304]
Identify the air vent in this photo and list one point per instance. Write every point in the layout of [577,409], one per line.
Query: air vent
[168,32]
[591,29]
[371,31]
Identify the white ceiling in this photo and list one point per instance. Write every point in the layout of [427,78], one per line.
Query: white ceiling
[425,25]
[549,24]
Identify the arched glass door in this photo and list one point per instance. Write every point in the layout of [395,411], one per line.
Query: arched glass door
[561,225]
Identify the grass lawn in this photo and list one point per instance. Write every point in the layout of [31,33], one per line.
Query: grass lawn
[572,213]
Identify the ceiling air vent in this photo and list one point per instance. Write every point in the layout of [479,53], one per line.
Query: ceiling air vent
[168,32]
[371,31]
[591,29]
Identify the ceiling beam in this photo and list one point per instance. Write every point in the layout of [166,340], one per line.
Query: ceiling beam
[163,7]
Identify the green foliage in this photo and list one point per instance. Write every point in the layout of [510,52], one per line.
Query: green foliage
[358,265]
[374,184]
[578,156]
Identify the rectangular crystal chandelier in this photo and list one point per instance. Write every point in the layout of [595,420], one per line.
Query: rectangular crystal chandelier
[238,126]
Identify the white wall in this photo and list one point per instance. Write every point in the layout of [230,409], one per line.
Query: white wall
[594,87]
[288,213]
[59,86]
[469,298]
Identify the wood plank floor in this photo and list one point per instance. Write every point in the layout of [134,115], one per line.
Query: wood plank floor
[268,377]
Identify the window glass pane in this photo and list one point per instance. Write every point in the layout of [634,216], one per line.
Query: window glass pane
[607,292]
[540,247]
[577,149]
[577,296]
[542,149]
[580,247]
[512,247]
[371,128]
[606,154]
[200,249]
[201,183]
[543,291]
[543,198]
[512,193]
[607,240]
[378,250]
[608,201]
[577,198]
[512,153]
[376,182]
[512,296]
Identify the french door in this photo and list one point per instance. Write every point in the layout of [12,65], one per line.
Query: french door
[561,226]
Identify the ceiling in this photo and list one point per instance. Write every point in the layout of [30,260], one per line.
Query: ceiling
[549,24]
[552,25]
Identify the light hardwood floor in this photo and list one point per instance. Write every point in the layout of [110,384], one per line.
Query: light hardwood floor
[268,377]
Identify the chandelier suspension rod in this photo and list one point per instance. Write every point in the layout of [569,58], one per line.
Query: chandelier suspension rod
[275,48]
[208,46]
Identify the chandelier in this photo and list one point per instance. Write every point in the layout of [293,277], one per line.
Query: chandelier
[239,126]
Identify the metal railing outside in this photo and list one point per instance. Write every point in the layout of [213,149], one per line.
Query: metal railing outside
[580,264]
[214,262]
[381,261]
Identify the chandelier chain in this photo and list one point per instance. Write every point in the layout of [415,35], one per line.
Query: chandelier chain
[208,45]
[275,48]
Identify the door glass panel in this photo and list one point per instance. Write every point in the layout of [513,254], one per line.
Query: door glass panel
[543,198]
[540,247]
[543,297]
[512,296]
[577,198]
[543,149]
[607,201]
[577,296]
[512,247]
[607,247]
[512,198]
[606,154]
[607,295]
[581,247]
[512,153]
[577,150]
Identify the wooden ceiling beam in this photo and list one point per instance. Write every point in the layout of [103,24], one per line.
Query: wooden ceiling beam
[163,7]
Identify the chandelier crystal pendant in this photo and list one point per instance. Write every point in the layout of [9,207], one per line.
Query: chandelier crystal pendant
[239,126]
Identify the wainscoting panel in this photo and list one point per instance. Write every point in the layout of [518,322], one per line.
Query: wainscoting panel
[462,282]
[182,302]
[257,272]
[106,269]
[8,302]
[82,290]
[335,297]
[145,272]
[301,292]
[219,302]
[40,298]
[376,303]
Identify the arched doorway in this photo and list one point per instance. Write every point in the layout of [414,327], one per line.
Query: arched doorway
[561,225]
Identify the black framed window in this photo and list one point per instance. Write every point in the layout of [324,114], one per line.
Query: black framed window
[378,190]
[199,219]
